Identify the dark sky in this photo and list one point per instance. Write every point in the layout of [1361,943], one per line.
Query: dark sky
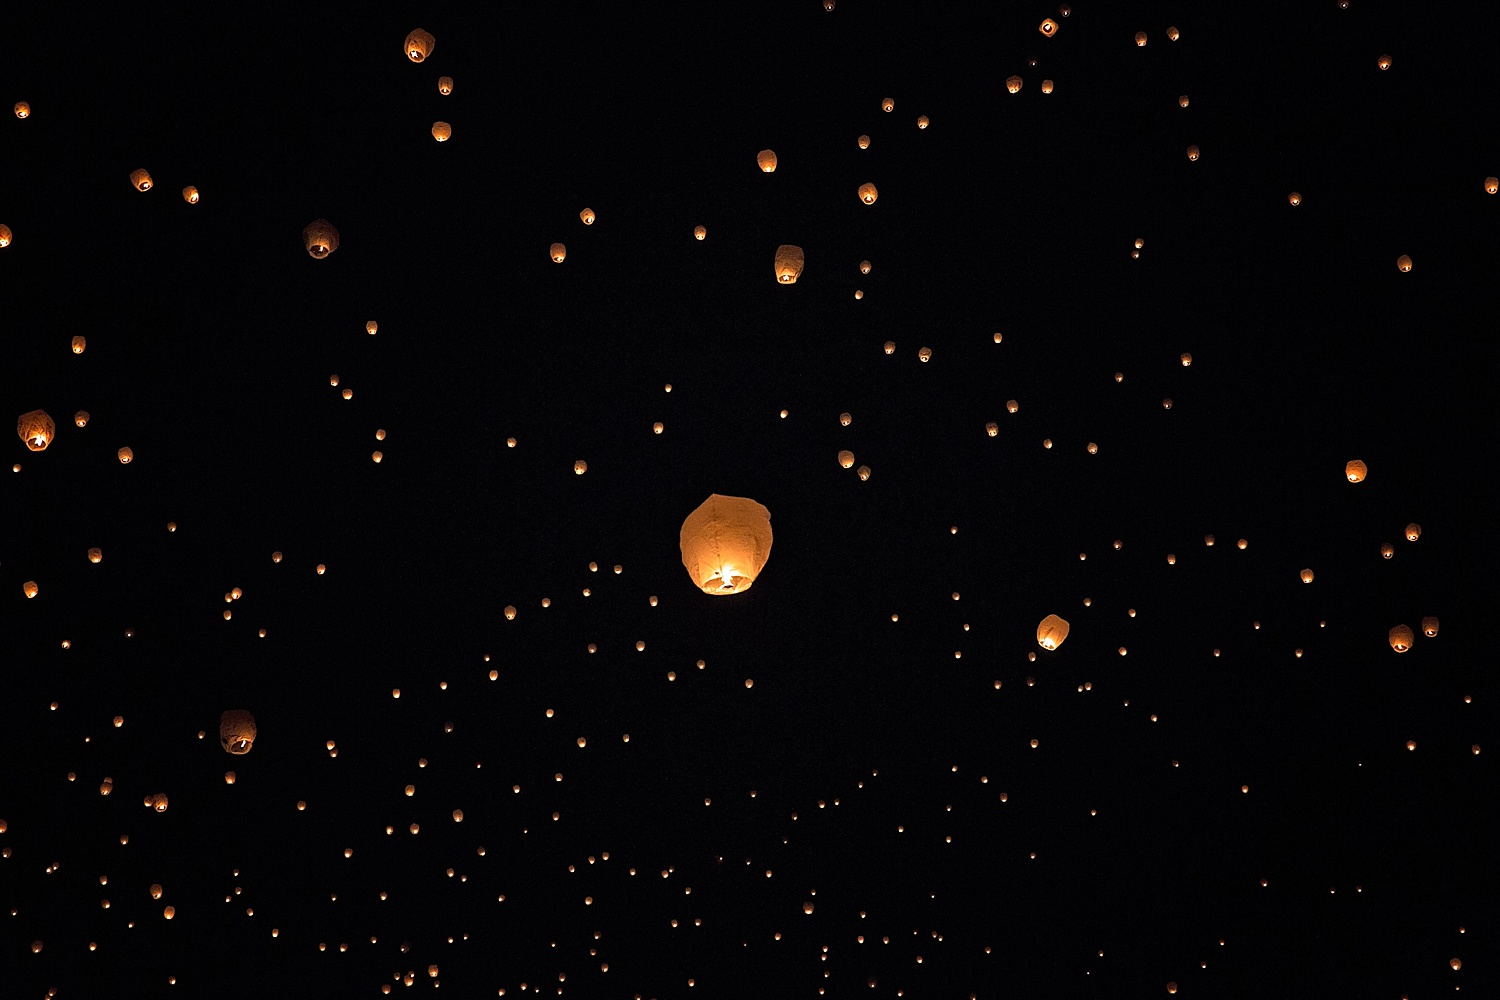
[1222,794]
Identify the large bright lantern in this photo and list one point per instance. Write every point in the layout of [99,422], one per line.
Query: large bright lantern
[725,543]
[1051,632]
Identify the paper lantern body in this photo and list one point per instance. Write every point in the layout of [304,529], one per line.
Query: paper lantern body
[1051,632]
[788,264]
[237,731]
[725,544]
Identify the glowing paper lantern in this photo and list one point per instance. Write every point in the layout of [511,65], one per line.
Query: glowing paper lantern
[236,731]
[1013,84]
[1294,199]
[1401,638]
[725,543]
[419,45]
[1430,626]
[766,160]
[867,193]
[320,238]
[1051,632]
[558,252]
[1355,471]
[700,232]
[1403,263]
[442,131]
[5,236]
[445,85]
[587,215]
[36,429]
[140,179]
[789,261]
[190,195]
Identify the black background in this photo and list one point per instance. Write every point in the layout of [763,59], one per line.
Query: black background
[212,336]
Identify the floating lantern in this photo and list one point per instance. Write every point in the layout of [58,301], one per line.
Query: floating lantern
[1355,471]
[237,731]
[725,543]
[867,193]
[320,238]
[419,45]
[1051,632]
[789,261]
[36,429]
[140,179]
[766,160]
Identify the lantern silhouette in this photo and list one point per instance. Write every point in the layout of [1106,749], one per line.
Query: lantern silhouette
[419,45]
[1294,199]
[1384,62]
[1173,34]
[190,195]
[789,261]
[1046,86]
[766,160]
[1140,39]
[81,417]
[700,232]
[867,193]
[140,179]
[1192,152]
[924,354]
[157,802]
[1051,632]
[1413,531]
[22,109]
[1307,576]
[96,555]
[1013,84]
[1430,626]
[442,131]
[1355,471]
[846,459]
[445,85]
[1492,185]
[1048,27]
[587,215]
[1387,550]
[1182,101]
[1401,638]
[1403,263]
[236,731]
[864,143]
[320,238]
[29,588]
[79,343]
[36,429]
[558,252]
[922,121]
[725,543]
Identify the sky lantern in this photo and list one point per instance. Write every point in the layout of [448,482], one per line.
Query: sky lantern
[125,455]
[22,109]
[1384,62]
[922,121]
[587,216]
[5,235]
[1048,27]
[1182,100]
[558,252]
[158,802]
[81,418]
[442,131]
[140,179]
[190,195]
[1401,638]
[236,731]
[1413,531]
[1403,263]
[1192,152]
[1013,84]
[96,555]
[766,160]
[864,143]
[700,232]
[79,343]
[1173,34]
[888,104]
[725,543]
[36,429]
[1492,185]
[867,193]
[1387,550]
[846,459]
[1430,626]
[419,45]
[1355,471]
[1307,576]
[320,238]
[445,85]
[1051,632]
[1294,199]
[1140,39]
[789,262]
[1047,86]
[30,589]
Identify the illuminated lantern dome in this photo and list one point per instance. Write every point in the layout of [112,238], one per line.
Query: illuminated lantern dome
[1403,263]
[725,544]
[445,85]
[1430,626]
[788,264]
[1192,152]
[1356,471]
[22,109]
[1051,632]
[79,344]
[1401,638]
[888,104]
[140,180]
[190,195]
[1492,185]
[1294,199]
[36,429]
[1048,27]
[587,215]
[320,238]
[442,131]
[766,159]
[558,252]
[419,45]
[700,232]
[1307,576]
[237,731]
[1013,84]
[867,193]
[5,236]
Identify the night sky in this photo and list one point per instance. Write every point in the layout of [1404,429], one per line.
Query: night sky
[862,776]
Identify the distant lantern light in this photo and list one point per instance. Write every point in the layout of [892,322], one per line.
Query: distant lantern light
[1294,199]
[419,45]
[140,179]
[1011,406]
[845,419]
[558,252]
[992,428]
[81,418]
[442,131]
[510,612]
[158,802]
[1355,471]
[320,238]
[1185,358]
[96,555]
[1403,263]
[372,327]
[888,104]
[864,142]
[1182,101]
[700,232]
[1013,84]
[864,267]
[1166,404]
[22,109]
[37,429]
[924,355]
[1492,185]
[1047,86]
[125,455]
[1192,152]
[445,85]
[1173,34]
[1387,550]
[1430,626]
[1413,531]
[890,347]
[580,467]
[30,589]
[1307,576]
[788,263]
[587,215]
[867,193]
[1048,27]
[1384,61]
[236,731]
[922,121]
[725,543]
[79,344]
[859,293]
[1051,632]
[766,160]
[1401,638]
[190,195]
[863,472]
[846,459]
[1140,39]
[5,236]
